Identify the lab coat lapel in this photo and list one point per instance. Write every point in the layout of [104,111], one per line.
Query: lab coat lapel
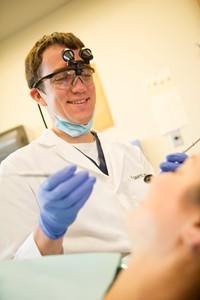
[113,153]
[66,151]
[72,155]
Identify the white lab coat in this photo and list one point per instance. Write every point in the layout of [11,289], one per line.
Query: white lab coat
[101,223]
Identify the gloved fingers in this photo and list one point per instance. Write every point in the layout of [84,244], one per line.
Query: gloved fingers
[65,188]
[177,157]
[169,166]
[78,194]
[79,204]
[61,176]
[56,219]
[68,207]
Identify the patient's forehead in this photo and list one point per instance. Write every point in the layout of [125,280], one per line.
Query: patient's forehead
[191,169]
[189,174]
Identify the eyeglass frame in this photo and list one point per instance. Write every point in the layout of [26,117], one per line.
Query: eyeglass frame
[49,76]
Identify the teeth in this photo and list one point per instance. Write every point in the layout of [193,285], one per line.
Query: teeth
[77,101]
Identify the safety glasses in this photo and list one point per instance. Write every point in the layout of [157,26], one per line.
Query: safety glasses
[65,77]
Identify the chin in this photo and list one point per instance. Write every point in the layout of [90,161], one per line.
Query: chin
[84,121]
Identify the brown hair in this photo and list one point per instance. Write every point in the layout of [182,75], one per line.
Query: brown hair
[34,58]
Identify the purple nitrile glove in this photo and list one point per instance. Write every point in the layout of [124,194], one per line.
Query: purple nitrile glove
[173,161]
[61,197]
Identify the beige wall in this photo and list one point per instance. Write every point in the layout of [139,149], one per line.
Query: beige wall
[131,40]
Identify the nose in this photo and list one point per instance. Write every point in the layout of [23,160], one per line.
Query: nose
[78,85]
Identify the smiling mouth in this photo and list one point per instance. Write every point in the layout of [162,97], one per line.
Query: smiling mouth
[80,101]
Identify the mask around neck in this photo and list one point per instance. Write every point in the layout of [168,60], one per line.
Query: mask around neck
[74,130]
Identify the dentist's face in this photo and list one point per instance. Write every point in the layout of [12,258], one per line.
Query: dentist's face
[159,224]
[76,102]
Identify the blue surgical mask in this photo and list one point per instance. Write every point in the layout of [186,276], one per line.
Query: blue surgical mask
[71,129]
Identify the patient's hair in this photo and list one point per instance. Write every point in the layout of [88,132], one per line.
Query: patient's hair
[34,58]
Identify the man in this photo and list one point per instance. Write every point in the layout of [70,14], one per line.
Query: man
[57,219]
[166,234]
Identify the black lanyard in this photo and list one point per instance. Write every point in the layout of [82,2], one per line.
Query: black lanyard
[102,166]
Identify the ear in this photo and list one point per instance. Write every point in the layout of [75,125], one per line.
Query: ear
[191,234]
[37,95]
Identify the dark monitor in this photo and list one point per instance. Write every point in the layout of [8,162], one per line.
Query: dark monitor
[12,140]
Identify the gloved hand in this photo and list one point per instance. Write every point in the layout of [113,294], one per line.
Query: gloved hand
[61,197]
[173,161]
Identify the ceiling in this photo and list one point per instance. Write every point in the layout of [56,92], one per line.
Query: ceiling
[17,14]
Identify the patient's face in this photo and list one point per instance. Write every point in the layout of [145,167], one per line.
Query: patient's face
[156,225]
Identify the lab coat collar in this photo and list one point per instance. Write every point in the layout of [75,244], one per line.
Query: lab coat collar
[67,152]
